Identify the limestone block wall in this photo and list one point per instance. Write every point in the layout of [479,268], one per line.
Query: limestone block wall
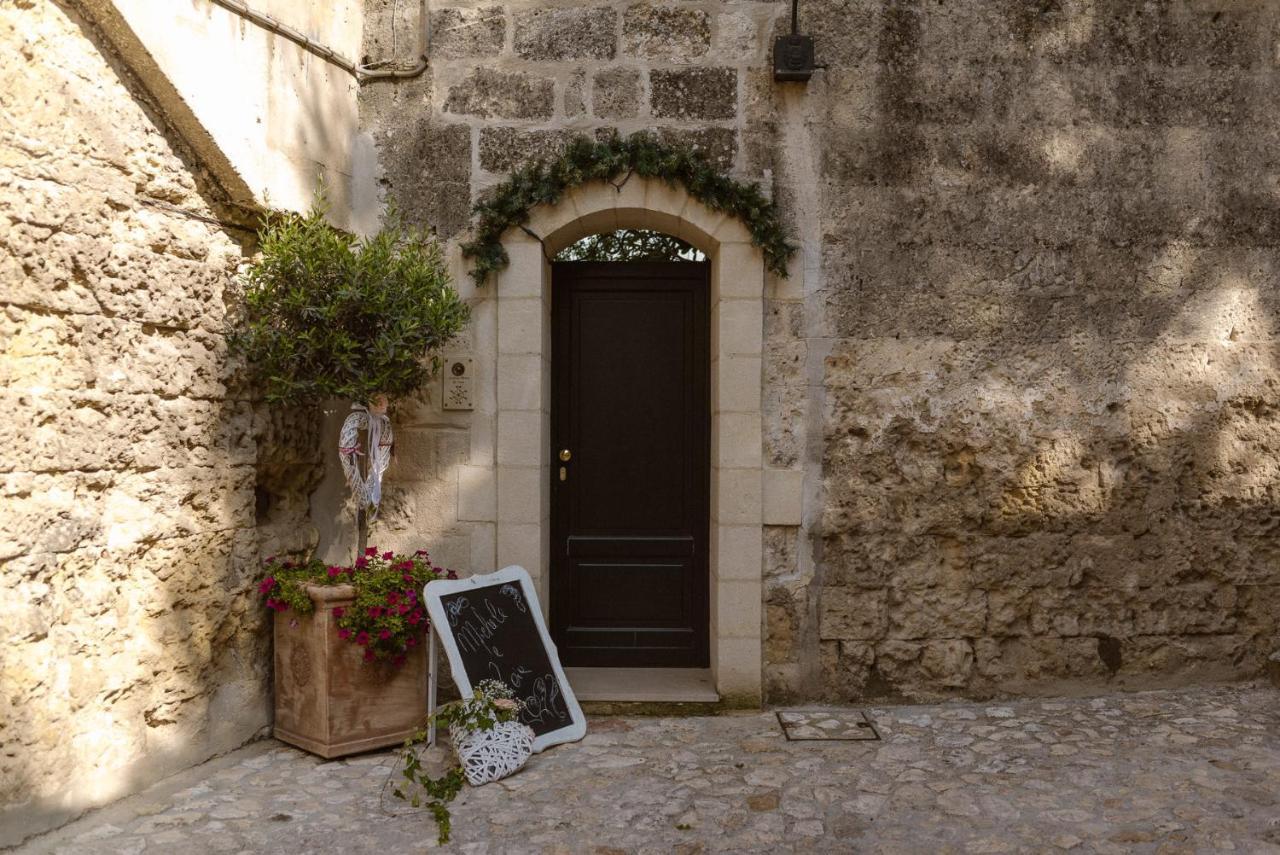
[1050,300]
[1022,374]
[139,485]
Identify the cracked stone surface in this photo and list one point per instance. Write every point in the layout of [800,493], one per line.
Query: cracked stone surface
[1186,771]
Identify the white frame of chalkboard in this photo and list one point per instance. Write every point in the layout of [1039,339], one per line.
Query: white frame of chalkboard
[431,595]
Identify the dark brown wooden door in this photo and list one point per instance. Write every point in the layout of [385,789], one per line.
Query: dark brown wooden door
[630,405]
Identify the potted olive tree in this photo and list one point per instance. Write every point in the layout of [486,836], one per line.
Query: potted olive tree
[328,315]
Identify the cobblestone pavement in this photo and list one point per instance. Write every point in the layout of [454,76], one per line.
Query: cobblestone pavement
[1187,771]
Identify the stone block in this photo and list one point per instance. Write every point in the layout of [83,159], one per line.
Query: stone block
[738,610]
[666,32]
[736,552]
[557,34]
[781,551]
[505,149]
[735,440]
[489,93]
[937,613]
[852,614]
[575,94]
[737,327]
[693,93]
[520,494]
[783,496]
[520,438]
[735,496]
[477,493]
[737,383]
[467,33]
[718,145]
[520,326]
[520,380]
[947,663]
[616,93]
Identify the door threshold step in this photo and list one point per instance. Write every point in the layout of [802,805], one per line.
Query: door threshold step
[643,685]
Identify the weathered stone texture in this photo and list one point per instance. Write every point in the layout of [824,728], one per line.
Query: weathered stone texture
[677,33]
[1050,404]
[615,93]
[503,149]
[694,93]
[491,94]
[468,33]
[139,483]
[566,33]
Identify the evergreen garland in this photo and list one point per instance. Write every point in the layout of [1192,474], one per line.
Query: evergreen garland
[544,182]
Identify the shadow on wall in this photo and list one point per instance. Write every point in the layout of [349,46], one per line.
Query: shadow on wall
[141,482]
[1052,430]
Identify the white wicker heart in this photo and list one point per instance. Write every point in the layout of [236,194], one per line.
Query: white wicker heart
[490,755]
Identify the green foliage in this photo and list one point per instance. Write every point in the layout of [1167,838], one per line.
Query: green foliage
[327,315]
[386,617]
[630,245]
[490,704]
[544,182]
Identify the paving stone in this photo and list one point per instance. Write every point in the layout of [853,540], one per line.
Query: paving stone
[1090,775]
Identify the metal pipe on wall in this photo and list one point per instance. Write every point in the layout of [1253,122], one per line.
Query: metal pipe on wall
[362,73]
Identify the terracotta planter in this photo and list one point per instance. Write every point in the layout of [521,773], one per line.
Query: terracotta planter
[329,701]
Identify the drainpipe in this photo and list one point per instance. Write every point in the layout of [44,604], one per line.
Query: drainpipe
[362,73]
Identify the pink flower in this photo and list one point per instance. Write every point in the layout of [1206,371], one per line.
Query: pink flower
[267,584]
[405,565]
[371,551]
[334,571]
[362,563]
[362,638]
[393,598]
[387,556]
[421,553]
[451,575]
[403,609]
[411,642]
[344,634]
[375,611]
[385,634]
[339,611]
[411,596]
[406,577]
[414,618]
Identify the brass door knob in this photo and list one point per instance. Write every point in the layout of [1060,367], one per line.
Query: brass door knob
[565,455]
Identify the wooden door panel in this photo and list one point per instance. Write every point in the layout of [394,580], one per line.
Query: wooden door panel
[630,403]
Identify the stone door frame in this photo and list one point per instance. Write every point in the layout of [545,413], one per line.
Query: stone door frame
[518,308]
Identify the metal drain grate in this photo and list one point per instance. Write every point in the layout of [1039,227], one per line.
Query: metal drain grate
[827,725]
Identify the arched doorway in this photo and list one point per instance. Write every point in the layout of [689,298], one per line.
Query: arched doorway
[517,309]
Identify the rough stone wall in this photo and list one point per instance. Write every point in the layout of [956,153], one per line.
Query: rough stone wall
[1049,285]
[1026,353]
[138,483]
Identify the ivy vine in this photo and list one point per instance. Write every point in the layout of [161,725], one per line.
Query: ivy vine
[544,182]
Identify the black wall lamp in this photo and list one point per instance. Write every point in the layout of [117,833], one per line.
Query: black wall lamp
[793,54]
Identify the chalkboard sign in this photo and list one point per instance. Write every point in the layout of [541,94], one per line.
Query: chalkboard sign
[491,628]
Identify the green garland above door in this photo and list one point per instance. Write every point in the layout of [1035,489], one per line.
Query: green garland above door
[544,182]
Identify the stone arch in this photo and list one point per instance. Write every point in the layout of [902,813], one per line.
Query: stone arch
[517,308]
